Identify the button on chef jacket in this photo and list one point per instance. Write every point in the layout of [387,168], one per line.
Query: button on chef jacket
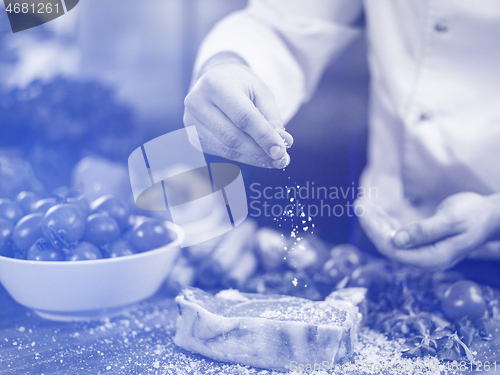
[434,116]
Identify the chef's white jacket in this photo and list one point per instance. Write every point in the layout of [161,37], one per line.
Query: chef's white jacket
[434,116]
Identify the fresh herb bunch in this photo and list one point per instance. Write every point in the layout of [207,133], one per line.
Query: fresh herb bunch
[410,309]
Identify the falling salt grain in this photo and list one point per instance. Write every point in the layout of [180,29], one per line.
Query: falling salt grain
[294,281]
[33,343]
[108,368]
[22,329]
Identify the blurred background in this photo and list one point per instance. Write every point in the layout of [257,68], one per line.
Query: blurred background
[108,76]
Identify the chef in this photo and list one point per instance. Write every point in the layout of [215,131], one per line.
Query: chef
[434,116]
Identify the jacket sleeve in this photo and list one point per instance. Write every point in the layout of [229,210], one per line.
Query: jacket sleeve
[287,43]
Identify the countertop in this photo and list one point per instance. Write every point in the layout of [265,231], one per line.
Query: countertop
[139,341]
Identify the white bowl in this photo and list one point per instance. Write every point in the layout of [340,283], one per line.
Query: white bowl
[90,289]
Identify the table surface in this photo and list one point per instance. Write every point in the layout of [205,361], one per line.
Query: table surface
[139,341]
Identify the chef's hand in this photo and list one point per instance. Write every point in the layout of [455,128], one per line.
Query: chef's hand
[235,114]
[462,222]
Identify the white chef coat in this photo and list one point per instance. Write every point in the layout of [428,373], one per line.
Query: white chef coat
[434,111]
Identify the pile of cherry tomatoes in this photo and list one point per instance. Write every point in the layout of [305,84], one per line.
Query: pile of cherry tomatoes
[72,229]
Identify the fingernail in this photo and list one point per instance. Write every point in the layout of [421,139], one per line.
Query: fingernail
[282,163]
[401,239]
[287,138]
[275,152]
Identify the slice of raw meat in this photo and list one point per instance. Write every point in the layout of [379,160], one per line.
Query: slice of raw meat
[267,331]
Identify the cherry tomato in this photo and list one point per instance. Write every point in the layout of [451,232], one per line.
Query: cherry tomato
[26,200]
[373,276]
[43,205]
[6,228]
[82,203]
[463,299]
[44,250]
[344,259]
[149,234]
[84,251]
[63,224]
[27,231]
[116,208]
[10,210]
[120,248]
[101,229]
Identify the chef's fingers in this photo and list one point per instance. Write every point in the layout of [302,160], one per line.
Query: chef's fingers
[232,90]
[380,228]
[210,117]
[266,104]
[212,145]
[438,256]
[237,104]
[425,232]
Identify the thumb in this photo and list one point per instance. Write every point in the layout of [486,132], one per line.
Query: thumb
[425,232]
